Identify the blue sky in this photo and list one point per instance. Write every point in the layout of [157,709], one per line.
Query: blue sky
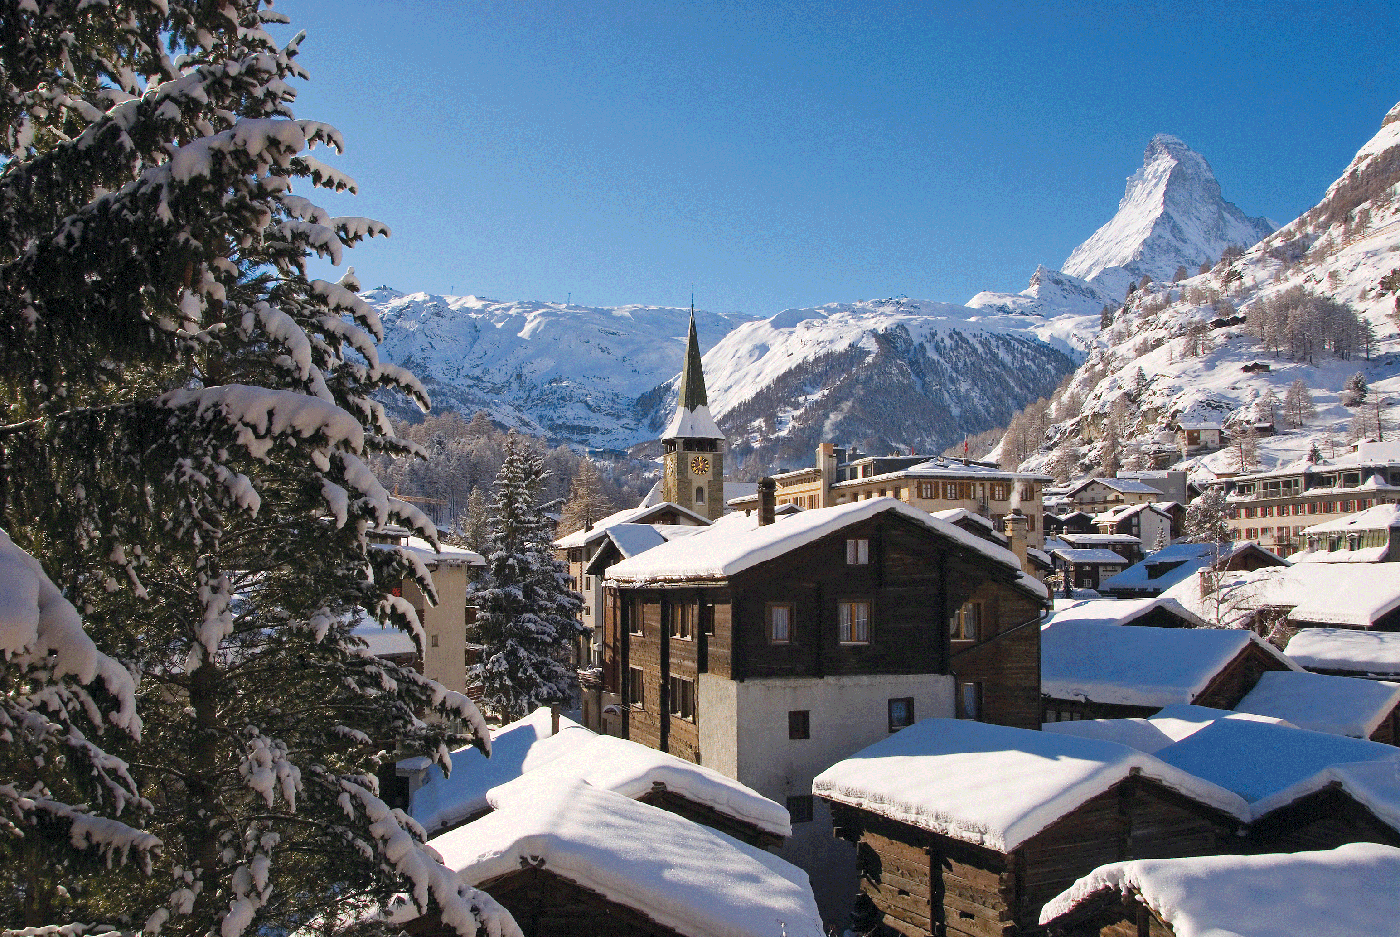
[778,155]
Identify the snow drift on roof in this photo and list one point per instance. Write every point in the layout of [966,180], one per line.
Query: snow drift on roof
[638,515]
[1337,705]
[1351,891]
[1380,517]
[682,875]
[1091,557]
[515,748]
[1136,666]
[1169,726]
[692,424]
[1375,652]
[737,543]
[632,770]
[1121,611]
[1337,593]
[992,785]
[1257,760]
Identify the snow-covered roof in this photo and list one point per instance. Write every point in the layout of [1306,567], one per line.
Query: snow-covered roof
[1200,426]
[1136,666]
[1093,557]
[1322,703]
[738,542]
[1185,560]
[638,515]
[1371,652]
[1122,611]
[991,785]
[1123,485]
[1351,891]
[1263,763]
[1099,540]
[1120,512]
[515,748]
[1169,726]
[447,555]
[383,640]
[1380,517]
[1355,594]
[684,876]
[943,467]
[632,770]
[1364,555]
[692,424]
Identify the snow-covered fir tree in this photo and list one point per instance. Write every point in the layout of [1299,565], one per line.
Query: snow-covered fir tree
[186,418]
[1205,518]
[529,616]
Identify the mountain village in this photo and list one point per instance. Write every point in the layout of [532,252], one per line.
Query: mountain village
[1067,612]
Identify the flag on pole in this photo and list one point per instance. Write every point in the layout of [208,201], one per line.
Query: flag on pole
[964,447]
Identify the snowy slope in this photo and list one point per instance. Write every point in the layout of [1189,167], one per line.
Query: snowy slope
[1051,294]
[566,372]
[1171,215]
[1341,249]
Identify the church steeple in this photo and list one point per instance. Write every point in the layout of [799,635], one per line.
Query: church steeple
[692,391]
[693,444]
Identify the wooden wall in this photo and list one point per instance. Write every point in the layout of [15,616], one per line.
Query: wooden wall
[1005,658]
[1323,820]
[1239,677]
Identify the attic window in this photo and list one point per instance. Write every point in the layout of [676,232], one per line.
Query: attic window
[857,552]
[779,623]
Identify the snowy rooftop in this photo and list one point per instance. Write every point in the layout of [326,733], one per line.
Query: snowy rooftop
[1355,594]
[1174,563]
[447,555]
[638,515]
[1099,540]
[1380,517]
[951,468]
[739,542]
[992,785]
[632,770]
[1089,556]
[1124,485]
[1363,555]
[1337,705]
[515,748]
[383,640]
[692,424]
[1273,765]
[1136,666]
[1169,726]
[1121,611]
[682,875]
[1372,652]
[1351,891]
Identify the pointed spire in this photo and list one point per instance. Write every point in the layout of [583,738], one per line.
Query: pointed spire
[692,390]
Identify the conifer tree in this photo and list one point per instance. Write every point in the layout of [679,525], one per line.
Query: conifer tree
[1205,518]
[185,421]
[587,503]
[529,616]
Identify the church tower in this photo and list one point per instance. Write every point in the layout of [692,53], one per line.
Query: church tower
[694,459]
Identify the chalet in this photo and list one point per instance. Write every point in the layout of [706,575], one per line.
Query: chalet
[575,859]
[1361,709]
[1074,522]
[1251,896]
[1306,790]
[1087,567]
[1143,613]
[1199,437]
[1125,545]
[770,648]
[1150,523]
[966,829]
[1096,495]
[443,656]
[1372,536]
[840,476]
[1091,670]
[1347,652]
[1162,569]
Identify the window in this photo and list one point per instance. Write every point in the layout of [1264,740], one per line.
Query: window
[950,490]
[779,623]
[699,494]
[966,622]
[683,698]
[799,724]
[854,618]
[927,490]
[969,700]
[707,618]
[635,695]
[800,808]
[587,582]
[682,615]
[999,492]
[634,619]
[434,641]
[901,713]
[857,552]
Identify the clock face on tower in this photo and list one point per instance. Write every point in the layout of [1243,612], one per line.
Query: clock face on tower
[700,465]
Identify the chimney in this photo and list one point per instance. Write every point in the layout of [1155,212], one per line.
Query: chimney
[1015,523]
[554,720]
[766,500]
[826,463]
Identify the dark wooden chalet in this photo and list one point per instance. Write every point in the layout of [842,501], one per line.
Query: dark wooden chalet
[972,837]
[1093,670]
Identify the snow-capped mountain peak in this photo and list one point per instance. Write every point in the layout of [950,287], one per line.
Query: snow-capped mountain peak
[1171,215]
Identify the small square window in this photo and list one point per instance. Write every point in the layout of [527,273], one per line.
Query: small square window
[857,552]
[779,623]
[966,622]
[901,713]
[434,641]
[799,724]
[635,695]
[800,808]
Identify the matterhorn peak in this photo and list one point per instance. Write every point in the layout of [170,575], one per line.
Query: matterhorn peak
[1172,215]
